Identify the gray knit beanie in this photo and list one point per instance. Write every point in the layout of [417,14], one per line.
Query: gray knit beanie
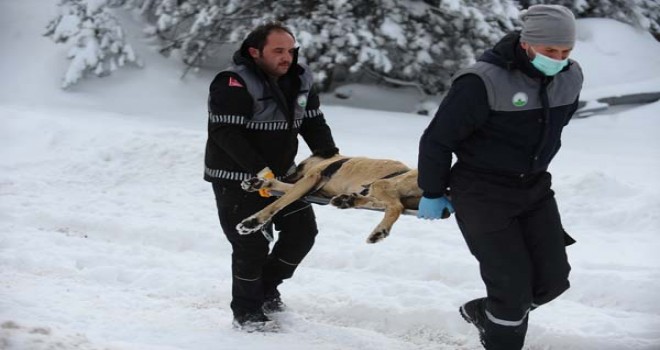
[548,25]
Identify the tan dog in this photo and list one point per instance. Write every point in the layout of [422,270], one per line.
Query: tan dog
[386,185]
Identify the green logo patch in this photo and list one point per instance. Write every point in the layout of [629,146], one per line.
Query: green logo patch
[302,101]
[519,99]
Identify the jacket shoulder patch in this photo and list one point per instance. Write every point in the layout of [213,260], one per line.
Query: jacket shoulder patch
[234,82]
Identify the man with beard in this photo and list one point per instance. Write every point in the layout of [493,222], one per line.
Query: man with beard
[257,109]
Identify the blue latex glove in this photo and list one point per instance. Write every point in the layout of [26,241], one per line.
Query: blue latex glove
[434,208]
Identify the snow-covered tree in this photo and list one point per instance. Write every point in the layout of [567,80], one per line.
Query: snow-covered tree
[640,13]
[98,43]
[651,10]
[191,27]
[403,42]
[337,36]
[428,41]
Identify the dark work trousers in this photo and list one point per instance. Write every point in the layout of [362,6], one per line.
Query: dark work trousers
[511,224]
[256,272]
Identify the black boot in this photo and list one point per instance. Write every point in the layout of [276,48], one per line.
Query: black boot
[473,312]
[493,336]
[254,322]
[273,302]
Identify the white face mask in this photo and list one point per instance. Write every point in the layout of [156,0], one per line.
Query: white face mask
[548,66]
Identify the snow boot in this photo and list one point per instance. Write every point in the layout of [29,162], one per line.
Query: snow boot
[273,303]
[255,322]
[473,312]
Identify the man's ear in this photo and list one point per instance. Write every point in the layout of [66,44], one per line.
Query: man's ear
[253,52]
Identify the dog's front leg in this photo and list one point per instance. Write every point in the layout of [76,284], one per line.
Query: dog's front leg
[379,197]
[294,192]
[392,213]
[256,183]
[385,194]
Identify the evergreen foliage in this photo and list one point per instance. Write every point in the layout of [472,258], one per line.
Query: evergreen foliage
[417,43]
[98,45]
[639,13]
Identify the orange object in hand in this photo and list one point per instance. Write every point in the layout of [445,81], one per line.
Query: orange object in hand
[267,174]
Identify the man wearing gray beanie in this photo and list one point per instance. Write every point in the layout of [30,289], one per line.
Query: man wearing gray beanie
[503,118]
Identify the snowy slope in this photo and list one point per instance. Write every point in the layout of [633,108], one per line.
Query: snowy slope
[110,240]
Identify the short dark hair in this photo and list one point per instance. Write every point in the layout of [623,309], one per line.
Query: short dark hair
[257,37]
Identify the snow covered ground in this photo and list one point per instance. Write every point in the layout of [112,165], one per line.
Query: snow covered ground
[109,237]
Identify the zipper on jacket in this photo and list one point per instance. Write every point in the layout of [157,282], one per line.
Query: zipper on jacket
[545,103]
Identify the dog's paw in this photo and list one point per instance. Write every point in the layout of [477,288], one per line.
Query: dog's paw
[252,185]
[378,235]
[248,226]
[344,201]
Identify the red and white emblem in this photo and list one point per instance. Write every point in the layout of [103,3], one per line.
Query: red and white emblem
[234,82]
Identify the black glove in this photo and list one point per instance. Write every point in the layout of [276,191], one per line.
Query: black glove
[326,153]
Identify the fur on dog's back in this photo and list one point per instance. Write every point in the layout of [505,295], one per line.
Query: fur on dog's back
[355,174]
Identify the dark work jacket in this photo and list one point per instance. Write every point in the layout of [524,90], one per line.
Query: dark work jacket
[254,121]
[501,115]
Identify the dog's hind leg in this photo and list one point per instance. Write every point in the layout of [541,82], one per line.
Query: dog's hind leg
[257,220]
[356,200]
